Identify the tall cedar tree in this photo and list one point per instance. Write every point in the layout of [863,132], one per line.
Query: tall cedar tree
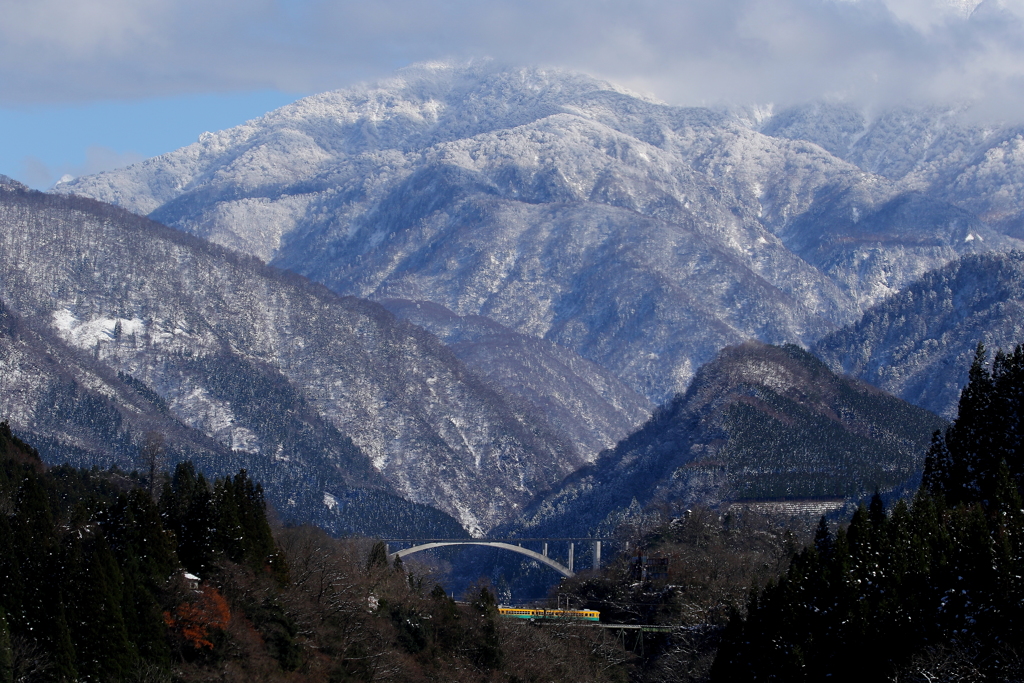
[187,509]
[229,521]
[87,566]
[938,577]
[964,465]
[6,651]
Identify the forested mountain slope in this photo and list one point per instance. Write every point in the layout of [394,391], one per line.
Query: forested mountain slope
[759,422]
[78,410]
[640,236]
[918,344]
[949,153]
[271,367]
[589,404]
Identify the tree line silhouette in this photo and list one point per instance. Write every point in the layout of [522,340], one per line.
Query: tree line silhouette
[928,590]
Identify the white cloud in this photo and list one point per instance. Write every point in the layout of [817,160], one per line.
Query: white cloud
[97,159]
[686,51]
[80,29]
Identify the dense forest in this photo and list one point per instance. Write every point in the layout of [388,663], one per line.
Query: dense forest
[929,590]
[100,580]
[107,576]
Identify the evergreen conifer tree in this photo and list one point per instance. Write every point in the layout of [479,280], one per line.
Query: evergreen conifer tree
[103,648]
[188,511]
[962,465]
[36,548]
[823,539]
[378,556]
[11,589]
[6,651]
[938,466]
[1008,440]
[230,537]
[61,648]
[260,548]
[969,438]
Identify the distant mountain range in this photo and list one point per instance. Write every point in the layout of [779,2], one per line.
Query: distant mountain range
[938,151]
[565,255]
[640,236]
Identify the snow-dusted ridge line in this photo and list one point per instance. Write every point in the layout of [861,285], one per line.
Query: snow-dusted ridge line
[222,333]
[640,236]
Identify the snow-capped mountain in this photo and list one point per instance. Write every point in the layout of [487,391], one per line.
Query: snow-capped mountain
[639,236]
[943,152]
[266,367]
[919,344]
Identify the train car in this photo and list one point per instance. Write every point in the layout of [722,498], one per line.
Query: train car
[534,614]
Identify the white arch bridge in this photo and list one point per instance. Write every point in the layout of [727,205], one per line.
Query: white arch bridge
[514,545]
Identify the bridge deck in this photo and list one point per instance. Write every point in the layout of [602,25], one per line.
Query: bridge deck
[576,539]
[512,544]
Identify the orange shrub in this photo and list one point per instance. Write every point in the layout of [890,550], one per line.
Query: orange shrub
[194,620]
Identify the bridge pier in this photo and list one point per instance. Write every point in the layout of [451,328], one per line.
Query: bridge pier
[597,555]
[572,549]
[545,548]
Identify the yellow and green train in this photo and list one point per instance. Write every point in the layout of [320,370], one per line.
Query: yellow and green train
[528,613]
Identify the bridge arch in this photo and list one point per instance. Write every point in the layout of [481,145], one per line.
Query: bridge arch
[543,559]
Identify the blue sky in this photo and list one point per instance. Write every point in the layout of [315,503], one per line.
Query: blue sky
[44,142]
[91,85]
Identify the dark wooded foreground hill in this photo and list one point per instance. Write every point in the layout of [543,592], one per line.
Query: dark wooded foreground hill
[101,582]
[760,422]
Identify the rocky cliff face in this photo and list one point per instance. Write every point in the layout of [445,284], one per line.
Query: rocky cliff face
[639,236]
[265,365]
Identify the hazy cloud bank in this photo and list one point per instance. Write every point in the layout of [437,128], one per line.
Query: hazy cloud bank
[684,51]
[36,173]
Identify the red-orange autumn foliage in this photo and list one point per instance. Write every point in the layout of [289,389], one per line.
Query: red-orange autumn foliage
[194,620]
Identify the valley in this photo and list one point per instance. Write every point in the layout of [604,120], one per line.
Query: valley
[744,348]
[489,288]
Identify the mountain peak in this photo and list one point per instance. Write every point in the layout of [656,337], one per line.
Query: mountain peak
[640,236]
[758,422]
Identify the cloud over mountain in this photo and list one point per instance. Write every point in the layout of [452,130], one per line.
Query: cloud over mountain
[687,52]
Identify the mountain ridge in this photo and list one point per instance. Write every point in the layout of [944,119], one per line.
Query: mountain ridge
[514,193]
[919,343]
[204,327]
[759,422]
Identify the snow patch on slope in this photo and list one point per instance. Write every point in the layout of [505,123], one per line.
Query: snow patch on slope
[87,334]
